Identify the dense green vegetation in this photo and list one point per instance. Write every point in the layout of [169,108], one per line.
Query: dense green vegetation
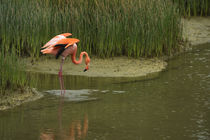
[12,75]
[105,27]
[193,7]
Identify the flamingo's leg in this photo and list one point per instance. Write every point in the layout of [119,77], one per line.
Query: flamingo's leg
[61,67]
[61,77]
[61,84]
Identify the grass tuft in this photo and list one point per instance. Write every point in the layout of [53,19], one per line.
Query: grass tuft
[12,76]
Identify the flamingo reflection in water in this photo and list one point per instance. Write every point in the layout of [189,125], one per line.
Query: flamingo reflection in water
[76,130]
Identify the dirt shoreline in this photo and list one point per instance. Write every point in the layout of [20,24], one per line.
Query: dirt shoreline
[196,30]
[111,67]
[12,100]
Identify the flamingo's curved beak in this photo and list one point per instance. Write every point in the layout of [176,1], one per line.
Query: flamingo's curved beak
[86,68]
[87,61]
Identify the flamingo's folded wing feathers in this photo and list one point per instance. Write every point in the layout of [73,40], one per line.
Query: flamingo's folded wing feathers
[54,40]
[71,41]
[66,34]
[67,41]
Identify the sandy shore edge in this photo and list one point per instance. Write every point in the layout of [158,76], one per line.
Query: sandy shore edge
[111,67]
[196,30]
[15,99]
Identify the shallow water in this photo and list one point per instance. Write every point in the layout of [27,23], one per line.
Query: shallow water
[174,105]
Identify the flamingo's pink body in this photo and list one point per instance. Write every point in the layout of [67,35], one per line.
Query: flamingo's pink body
[65,46]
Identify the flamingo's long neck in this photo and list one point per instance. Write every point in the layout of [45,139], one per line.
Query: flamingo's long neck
[73,57]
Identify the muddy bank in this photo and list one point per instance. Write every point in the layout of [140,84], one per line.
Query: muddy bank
[11,100]
[112,67]
[196,30]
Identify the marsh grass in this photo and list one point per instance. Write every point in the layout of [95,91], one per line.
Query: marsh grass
[12,76]
[106,28]
[193,7]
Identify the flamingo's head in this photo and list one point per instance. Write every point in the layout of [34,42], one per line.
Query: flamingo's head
[87,61]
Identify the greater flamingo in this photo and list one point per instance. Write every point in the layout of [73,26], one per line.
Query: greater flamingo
[61,45]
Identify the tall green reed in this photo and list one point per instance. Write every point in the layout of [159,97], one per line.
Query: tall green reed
[193,7]
[105,27]
[12,76]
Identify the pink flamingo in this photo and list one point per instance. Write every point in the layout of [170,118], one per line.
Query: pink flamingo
[61,45]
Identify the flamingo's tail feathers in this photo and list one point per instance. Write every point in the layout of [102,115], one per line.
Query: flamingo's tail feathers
[48,44]
[46,51]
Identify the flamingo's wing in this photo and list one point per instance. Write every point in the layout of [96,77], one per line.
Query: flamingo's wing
[66,34]
[72,41]
[55,39]
[66,41]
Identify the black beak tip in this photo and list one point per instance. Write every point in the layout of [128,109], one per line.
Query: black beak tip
[85,70]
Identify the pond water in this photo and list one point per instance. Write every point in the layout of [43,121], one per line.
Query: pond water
[173,105]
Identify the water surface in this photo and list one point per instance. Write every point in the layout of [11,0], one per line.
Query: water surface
[173,105]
